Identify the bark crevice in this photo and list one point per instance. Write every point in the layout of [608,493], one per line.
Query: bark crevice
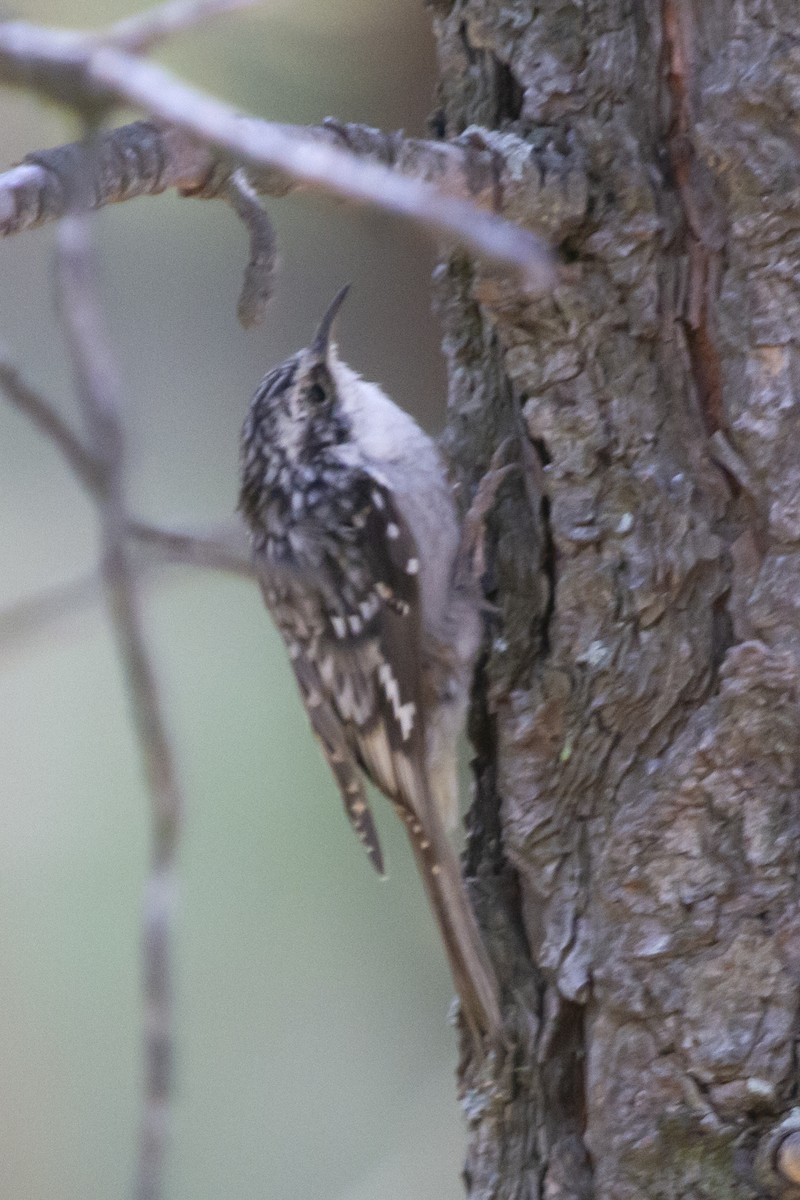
[647,764]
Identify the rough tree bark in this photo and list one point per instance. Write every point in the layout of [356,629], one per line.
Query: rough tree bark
[634,841]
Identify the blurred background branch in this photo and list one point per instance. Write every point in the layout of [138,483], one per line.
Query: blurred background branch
[140,158]
[94,73]
[223,549]
[33,617]
[144,31]
[98,392]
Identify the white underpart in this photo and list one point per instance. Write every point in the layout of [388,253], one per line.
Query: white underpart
[403,459]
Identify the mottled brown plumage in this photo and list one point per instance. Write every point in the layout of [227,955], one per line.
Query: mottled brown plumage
[355,534]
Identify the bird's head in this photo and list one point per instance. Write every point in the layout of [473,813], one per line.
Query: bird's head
[295,404]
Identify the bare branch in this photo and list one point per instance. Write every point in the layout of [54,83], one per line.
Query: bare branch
[224,550]
[88,72]
[49,422]
[26,620]
[259,276]
[143,159]
[96,386]
[136,160]
[325,167]
[54,62]
[144,31]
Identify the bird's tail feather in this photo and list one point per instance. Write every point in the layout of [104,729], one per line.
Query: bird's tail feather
[473,974]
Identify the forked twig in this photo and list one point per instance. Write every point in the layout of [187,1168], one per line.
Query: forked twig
[48,420]
[97,72]
[156,548]
[145,31]
[98,393]
[192,143]
[26,620]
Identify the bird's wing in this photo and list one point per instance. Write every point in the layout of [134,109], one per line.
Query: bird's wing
[354,636]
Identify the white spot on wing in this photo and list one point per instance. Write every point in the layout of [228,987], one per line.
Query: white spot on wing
[339,626]
[369,607]
[392,530]
[412,566]
[327,670]
[404,713]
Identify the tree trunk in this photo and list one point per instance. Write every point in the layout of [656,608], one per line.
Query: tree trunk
[634,840]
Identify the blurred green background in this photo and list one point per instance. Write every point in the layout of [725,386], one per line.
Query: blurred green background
[315,1056]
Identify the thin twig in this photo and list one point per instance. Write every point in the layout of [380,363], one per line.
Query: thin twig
[97,391]
[145,159]
[146,30]
[28,619]
[85,72]
[140,159]
[45,417]
[259,277]
[323,167]
[223,550]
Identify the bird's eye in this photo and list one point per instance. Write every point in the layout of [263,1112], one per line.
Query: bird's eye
[317,394]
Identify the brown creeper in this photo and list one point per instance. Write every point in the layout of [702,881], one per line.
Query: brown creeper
[356,541]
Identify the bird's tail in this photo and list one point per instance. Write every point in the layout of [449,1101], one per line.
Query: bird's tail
[473,974]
